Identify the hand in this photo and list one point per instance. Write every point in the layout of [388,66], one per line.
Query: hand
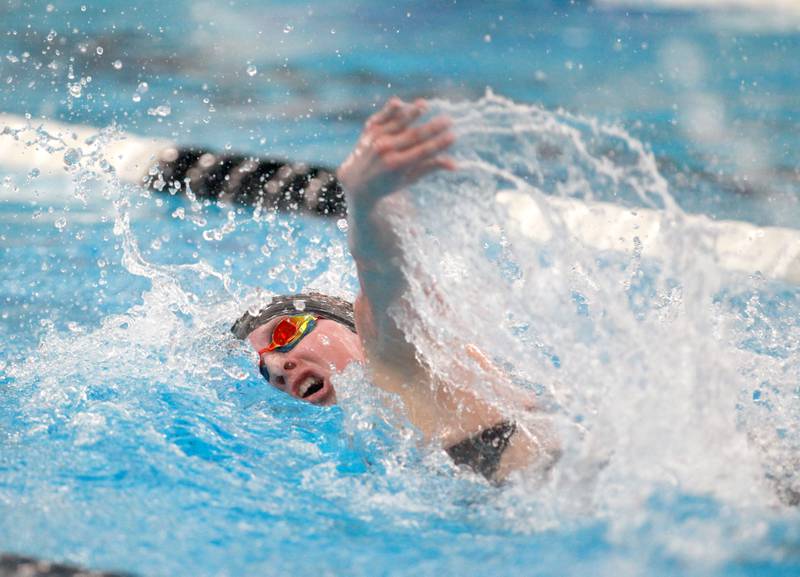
[392,155]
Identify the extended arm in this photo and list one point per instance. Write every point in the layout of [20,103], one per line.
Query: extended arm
[392,154]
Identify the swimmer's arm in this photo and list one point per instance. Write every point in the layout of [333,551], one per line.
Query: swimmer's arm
[390,156]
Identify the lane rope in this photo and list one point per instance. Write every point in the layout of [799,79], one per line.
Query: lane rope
[276,183]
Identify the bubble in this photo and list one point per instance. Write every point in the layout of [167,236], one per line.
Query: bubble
[60,223]
[341,224]
[117,64]
[136,97]
[252,70]
[75,90]
[142,88]
[99,50]
[288,29]
[34,173]
[299,304]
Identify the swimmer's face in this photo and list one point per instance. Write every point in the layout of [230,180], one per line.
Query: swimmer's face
[305,371]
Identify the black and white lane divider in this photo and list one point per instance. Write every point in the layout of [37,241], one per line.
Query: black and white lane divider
[163,165]
[18,566]
[49,146]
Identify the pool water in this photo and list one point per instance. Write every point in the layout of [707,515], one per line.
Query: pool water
[138,436]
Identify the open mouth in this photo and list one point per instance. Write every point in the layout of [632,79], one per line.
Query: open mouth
[310,386]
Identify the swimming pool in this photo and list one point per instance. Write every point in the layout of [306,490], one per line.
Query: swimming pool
[136,436]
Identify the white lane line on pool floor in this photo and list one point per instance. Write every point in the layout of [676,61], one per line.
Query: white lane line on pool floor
[739,246]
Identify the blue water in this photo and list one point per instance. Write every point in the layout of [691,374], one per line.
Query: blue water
[135,436]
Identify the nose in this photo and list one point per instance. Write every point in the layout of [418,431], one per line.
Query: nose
[279,369]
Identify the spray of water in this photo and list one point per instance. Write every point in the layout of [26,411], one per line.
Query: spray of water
[649,367]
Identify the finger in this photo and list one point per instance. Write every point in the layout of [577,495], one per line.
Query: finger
[421,152]
[389,110]
[402,119]
[483,361]
[414,136]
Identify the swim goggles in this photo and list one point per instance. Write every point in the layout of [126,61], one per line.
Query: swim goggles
[285,336]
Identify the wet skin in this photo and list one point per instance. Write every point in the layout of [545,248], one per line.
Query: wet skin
[306,370]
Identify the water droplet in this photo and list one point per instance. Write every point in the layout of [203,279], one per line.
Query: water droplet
[75,90]
[117,64]
[72,156]
[252,70]
[160,110]
[99,50]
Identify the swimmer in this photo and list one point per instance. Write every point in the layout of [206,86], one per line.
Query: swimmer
[303,340]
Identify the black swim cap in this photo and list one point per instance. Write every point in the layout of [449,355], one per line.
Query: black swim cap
[328,307]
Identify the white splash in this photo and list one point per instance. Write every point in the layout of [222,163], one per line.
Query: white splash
[643,362]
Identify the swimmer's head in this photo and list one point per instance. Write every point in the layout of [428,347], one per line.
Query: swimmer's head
[315,338]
